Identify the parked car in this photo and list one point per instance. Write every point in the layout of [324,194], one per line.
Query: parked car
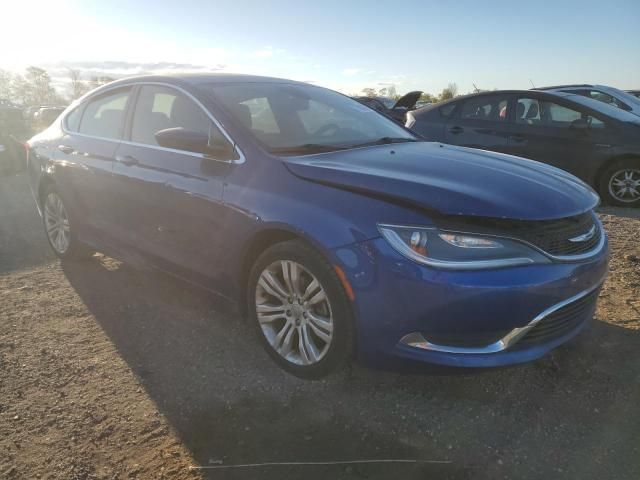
[45,116]
[635,93]
[13,132]
[612,96]
[421,104]
[337,230]
[596,142]
[394,109]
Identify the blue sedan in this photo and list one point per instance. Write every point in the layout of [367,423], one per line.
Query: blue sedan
[339,233]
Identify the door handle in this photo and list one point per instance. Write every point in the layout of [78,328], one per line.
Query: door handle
[456,130]
[518,138]
[126,160]
[66,149]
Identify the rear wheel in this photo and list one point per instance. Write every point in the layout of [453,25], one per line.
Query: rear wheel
[302,314]
[620,183]
[58,227]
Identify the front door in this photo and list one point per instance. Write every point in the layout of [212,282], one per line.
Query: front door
[170,201]
[558,134]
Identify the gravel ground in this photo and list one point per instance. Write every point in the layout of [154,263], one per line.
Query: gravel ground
[109,372]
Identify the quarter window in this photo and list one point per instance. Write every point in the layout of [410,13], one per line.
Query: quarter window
[159,108]
[72,120]
[104,116]
[490,108]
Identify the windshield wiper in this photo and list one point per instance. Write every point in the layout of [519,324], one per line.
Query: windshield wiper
[387,141]
[307,148]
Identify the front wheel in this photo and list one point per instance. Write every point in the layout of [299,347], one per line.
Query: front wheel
[58,227]
[620,183]
[300,309]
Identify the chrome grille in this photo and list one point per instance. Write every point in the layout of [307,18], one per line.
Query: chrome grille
[555,237]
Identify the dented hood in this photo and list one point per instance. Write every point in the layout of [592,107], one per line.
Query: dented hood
[451,180]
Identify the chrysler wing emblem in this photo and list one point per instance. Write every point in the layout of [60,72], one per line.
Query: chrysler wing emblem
[585,236]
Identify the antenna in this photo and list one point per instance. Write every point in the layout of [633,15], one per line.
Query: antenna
[477,90]
[532,83]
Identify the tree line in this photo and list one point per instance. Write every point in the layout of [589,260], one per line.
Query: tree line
[34,87]
[450,91]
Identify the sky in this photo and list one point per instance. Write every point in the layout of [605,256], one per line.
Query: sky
[346,45]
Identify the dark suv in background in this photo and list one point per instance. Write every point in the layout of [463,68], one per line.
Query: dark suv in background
[13,132]
[597,142]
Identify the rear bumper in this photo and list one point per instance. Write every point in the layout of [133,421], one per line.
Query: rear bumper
[496,317]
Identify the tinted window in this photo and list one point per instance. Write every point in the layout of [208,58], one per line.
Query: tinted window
[159,108]
[447,110]
[104,116]
[492,108]
[532,111]
[295,118]
[73,119]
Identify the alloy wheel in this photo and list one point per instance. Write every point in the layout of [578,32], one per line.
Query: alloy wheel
[56,223]
[294,312]
[624,185]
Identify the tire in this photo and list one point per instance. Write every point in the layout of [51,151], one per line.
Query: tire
[316,330]
[623,174]
[62,239]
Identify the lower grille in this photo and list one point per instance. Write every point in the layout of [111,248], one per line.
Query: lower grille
[562,321]
[465,339]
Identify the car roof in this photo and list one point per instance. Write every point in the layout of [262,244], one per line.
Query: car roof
[498,92]
[203,78]
[575,85]
[548,94]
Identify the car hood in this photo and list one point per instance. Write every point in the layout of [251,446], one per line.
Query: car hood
[408,101]
[451,180]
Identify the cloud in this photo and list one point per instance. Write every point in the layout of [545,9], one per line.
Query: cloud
[59,71]
[350,72]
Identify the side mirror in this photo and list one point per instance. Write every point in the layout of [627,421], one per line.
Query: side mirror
[192,141]
[183,139]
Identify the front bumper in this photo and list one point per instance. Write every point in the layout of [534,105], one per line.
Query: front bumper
[402,306]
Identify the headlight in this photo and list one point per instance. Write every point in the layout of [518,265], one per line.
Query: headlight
[459,251]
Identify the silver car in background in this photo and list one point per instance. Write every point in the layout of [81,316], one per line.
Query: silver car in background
[613,96]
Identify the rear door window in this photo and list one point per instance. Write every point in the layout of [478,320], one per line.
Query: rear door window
[104,116]
[485,108]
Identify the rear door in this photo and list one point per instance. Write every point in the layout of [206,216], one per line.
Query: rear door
[481,122]
[169,204]
[560,134]
[85,154]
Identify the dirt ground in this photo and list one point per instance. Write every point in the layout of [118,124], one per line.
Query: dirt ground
[107,372]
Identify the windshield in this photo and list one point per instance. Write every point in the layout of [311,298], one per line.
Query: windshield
[296,119]
[625,96]
[609,110]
